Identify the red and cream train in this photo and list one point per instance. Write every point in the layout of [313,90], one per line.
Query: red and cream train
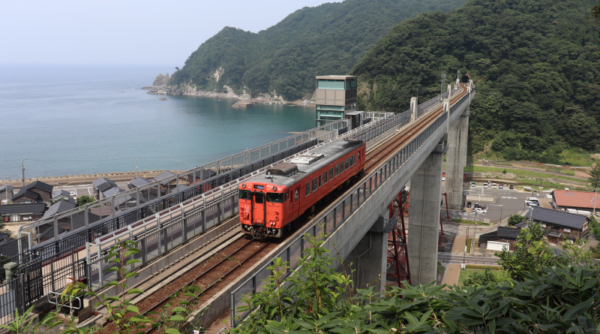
[269,202]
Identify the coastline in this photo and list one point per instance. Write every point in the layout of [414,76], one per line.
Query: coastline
[67,180]
[244,100]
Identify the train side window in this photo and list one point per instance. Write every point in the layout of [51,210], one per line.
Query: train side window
[358,155]
[289,196]
[314,184]
[245,194]
[331,173]
[325,177]
[307,188]
[347,163]
[296,195]
[341,167]
[319,181]
[352,161]
[336,170]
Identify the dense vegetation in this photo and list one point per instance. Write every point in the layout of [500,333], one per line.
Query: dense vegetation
[328,39]
[547,292]
[534,62]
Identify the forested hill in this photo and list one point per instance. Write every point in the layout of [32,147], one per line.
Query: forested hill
[328,39]
[536,64]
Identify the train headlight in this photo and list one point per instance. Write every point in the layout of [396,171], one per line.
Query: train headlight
[243,185]
[274,188]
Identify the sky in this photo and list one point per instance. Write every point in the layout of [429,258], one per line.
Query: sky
[126,32]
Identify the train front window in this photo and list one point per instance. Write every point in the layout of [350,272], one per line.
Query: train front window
[274,198]
[245,194]
[258,198]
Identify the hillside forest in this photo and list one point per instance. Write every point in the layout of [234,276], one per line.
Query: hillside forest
[535,64]
[285,58]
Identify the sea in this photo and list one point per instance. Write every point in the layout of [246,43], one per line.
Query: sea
[66,120]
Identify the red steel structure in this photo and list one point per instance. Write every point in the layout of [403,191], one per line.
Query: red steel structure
[397,246]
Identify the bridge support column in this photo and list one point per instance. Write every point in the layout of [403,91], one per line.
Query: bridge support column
[456,160]
[368,259]
[424,221]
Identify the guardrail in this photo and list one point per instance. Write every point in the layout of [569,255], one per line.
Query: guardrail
[330,220]
[42,256]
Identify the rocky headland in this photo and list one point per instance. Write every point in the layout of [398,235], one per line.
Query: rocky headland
[161,86]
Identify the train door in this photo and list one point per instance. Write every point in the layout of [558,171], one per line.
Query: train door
[295,201]
[258,208]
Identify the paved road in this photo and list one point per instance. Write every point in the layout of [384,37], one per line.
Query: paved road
[506,202]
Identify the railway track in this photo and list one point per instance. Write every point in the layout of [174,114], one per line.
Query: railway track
[381,153]
[218,271]
[212,274]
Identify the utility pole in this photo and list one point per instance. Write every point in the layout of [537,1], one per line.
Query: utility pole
[23,171]
[6,188]
[442,86]
[136,167]
[595,194]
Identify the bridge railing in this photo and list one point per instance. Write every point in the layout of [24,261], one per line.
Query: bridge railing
[328,221]
[213,194]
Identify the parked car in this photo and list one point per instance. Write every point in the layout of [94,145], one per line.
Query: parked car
[501,186]
[512,187]
[485,185]
[473,184]
[73,193]
[443,178]
[480,210]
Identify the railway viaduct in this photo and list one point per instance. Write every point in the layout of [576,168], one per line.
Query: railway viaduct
[173,224]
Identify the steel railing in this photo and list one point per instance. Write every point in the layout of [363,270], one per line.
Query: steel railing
[330,220]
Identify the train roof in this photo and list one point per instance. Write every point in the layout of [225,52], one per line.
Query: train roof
[289,173]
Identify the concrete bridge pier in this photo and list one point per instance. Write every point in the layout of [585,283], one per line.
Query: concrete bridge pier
[368,259]
[456,161]
[424,213]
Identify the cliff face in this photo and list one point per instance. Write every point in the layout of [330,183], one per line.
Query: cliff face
[161,80]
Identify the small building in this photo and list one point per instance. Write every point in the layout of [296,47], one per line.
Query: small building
[4,237]
[504,235]
[101,185]
[36,192]
[62,195]
[58,208]
[576,202]
[22,212]
[335,97]
[123,202]
[6,193]
[139,182]
[166,187]
[560,224]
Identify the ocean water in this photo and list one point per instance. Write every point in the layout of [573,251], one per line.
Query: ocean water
[79,120]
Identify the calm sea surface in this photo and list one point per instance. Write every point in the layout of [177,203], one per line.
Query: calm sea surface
[79,120]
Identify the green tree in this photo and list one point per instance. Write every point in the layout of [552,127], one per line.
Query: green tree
[486,278]
[515,219]
[531,251]
[595,177]
[85,199]
[582,131]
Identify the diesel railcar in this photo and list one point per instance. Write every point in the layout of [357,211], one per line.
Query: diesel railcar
[270,202]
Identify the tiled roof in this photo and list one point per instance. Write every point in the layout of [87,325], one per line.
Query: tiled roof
[164,175]
[103,184]
[556,217]
[58,207]
[140,181]
[41,185]
[508,233]
[10,188]
[574,199]
[61,193]
[28,193]
[8,209]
